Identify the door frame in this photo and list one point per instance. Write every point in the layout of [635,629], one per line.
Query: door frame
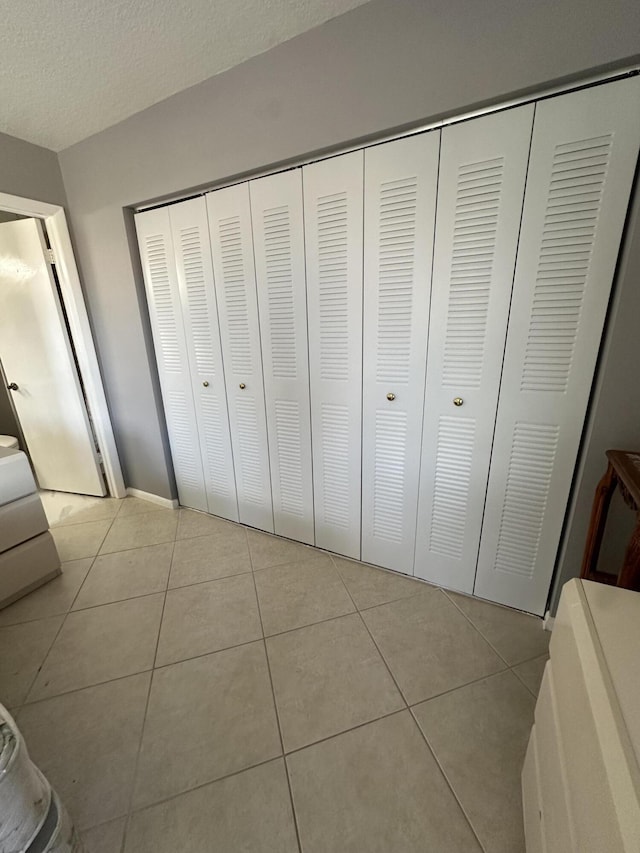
[55,221]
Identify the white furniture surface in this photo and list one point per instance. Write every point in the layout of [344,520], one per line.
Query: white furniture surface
[581,777]
[28,555]
[296,318]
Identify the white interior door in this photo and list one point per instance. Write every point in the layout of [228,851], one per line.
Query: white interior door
[278,239]
[483,166]
[333,215]
[399,211]
[583,156]
[234,271]
[191,242]
[165,310]
[37,357]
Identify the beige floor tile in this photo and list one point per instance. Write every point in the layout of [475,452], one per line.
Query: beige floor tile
[370,586]
[530,673]
[62,508]
[53,598]
[22,650]
[106,838]
[149,528]
[86,744]
[193,523]
[76,541]
[429,645]
[376,789]
[99,644]
[248,812]
[208,617]
[137,506]
[479,735]
[328,678]
[206,558]
[267,550]
[297,594]
[208,717]
[126,574]
[514,635]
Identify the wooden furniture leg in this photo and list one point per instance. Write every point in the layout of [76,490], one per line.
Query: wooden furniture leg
[629,577]
[602,498]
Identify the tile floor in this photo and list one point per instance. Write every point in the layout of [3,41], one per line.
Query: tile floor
[191,685]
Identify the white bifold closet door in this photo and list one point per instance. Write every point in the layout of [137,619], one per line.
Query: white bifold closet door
[583,156]
[233,262]
[333,210]
[399,209]
[278,238]
[483,167]
[165,311]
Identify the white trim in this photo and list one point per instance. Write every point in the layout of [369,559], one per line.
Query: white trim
[549,621]
[154,499]
[56,224]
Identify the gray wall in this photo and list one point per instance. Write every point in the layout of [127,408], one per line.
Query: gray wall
[31,172]
[387,64]
[614,421]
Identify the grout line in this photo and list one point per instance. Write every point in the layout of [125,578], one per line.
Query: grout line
[275,706]
[473,625]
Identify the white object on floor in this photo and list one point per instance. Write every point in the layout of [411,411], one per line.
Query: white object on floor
[9,441]
[16,477]
[581,778]
[39,365]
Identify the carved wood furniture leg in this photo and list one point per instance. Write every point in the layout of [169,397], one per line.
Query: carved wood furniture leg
[602,498]
[629,577]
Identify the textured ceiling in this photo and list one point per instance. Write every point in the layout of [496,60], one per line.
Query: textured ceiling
[69,68]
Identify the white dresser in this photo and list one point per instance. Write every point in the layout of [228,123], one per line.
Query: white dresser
[581,777]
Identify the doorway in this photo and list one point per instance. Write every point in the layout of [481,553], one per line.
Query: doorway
[52,398]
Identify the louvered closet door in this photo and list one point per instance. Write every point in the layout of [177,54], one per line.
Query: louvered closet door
[163,297]
[233,264]
[583,155]
[483,165]
[399,209]
[190,232]
[333,210]
[278,237]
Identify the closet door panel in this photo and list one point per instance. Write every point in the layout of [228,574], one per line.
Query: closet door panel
[333,215]
[483,165]
[234,271]
[400,197]
[165,311]
[278,235]
[190,233]
[583,156]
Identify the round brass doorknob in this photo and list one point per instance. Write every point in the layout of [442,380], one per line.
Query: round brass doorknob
[205,383]
[242,386]
[458,401]
[391,396]
[12,386]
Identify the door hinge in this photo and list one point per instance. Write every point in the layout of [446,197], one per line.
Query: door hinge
[51,258]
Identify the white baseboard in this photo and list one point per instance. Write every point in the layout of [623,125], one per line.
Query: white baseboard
[154,499]
[549,621]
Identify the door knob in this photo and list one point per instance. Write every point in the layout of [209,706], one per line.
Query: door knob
[205,383]
[242,386]
[12,386]
[458,401]
[391,396]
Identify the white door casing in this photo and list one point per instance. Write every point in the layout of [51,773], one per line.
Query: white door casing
[230,228]
[37,356]
[278,241]
[583,156]
[333,215]
[483,166]
[399,211]
[165,311]
[191,242]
